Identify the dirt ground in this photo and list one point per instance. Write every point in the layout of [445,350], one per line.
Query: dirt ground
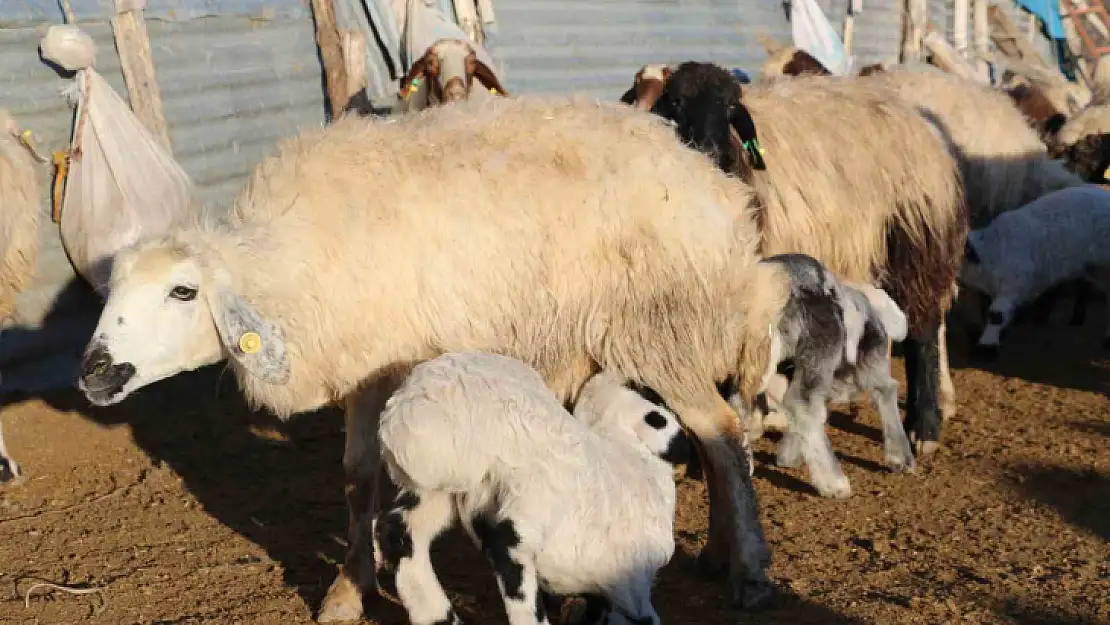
[185,507]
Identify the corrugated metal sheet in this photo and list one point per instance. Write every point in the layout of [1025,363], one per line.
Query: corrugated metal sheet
[597,47]
[36,11]
[231,85]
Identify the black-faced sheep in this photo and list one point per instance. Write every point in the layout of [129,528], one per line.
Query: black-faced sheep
[448,69]
[19,231]
[853,177]
[1022,253]
[353,254]
[559,504]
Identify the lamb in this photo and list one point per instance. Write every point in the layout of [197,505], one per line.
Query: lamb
[834,336]
[19,231]
[448,69]
[662,285]
[1060,236]
[900,223]
[477,437]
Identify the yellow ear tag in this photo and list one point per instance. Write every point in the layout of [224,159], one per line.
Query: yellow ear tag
[250,342]
[1106,173]
[493,91]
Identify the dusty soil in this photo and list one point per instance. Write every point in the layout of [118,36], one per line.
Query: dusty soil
[185,507]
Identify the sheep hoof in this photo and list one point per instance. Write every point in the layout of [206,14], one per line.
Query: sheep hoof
[900,464]
[984,353]
[925,449]
[753,595]
[342,603]
[836,488]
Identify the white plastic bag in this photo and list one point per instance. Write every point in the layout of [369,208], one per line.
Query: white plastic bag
[123,186]
[813,33]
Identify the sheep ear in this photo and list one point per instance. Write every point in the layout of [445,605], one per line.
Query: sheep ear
[254,343]
[415,75]
[488,79]
[742,121]
[629,96]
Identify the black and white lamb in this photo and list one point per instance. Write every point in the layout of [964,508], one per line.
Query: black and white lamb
[832,341]
[560,504]
[1059,237]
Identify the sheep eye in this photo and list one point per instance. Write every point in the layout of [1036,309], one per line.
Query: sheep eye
[183,293]
[655,420]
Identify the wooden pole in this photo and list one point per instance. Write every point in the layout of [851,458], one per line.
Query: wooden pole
[854,7]
[137,63]
[467,13]
[914,20]
[980,27]
[960,17]
[354,56]
[331,53]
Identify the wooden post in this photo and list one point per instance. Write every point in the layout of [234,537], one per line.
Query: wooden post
[331,52]
[467,14]
[354,56]
[914,20]
[137,64]
[980,28]
[960,17]
[854,7]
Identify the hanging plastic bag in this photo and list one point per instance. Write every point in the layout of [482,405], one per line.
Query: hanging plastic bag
[813,33]
[122,184]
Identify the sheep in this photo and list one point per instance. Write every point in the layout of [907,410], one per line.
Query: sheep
[19,232]
[834,336]
[448,69]
[478,438]
[891,212]
[1059,236]
[446,230]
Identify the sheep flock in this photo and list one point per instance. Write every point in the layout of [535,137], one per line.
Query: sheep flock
[531,308]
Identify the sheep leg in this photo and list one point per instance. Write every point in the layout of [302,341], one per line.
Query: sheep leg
[922,360]
[896,445]
[999,316]
[362,467]
[947,389]
[732,498]
[514,566]
[806,401]
[9,470]
[402,540]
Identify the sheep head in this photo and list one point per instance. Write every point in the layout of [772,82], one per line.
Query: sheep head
[449,66]
[647,86]
[169,311]
[704,102]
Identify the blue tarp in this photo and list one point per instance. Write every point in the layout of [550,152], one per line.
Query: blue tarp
[1049,13]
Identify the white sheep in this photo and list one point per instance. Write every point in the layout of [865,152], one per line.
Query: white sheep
[371,245]
[1022,253]
[19,231]
[446,73]
[831,342]
[559,504]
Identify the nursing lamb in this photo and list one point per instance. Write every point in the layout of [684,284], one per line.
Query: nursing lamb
[1022,253]
[559,504]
